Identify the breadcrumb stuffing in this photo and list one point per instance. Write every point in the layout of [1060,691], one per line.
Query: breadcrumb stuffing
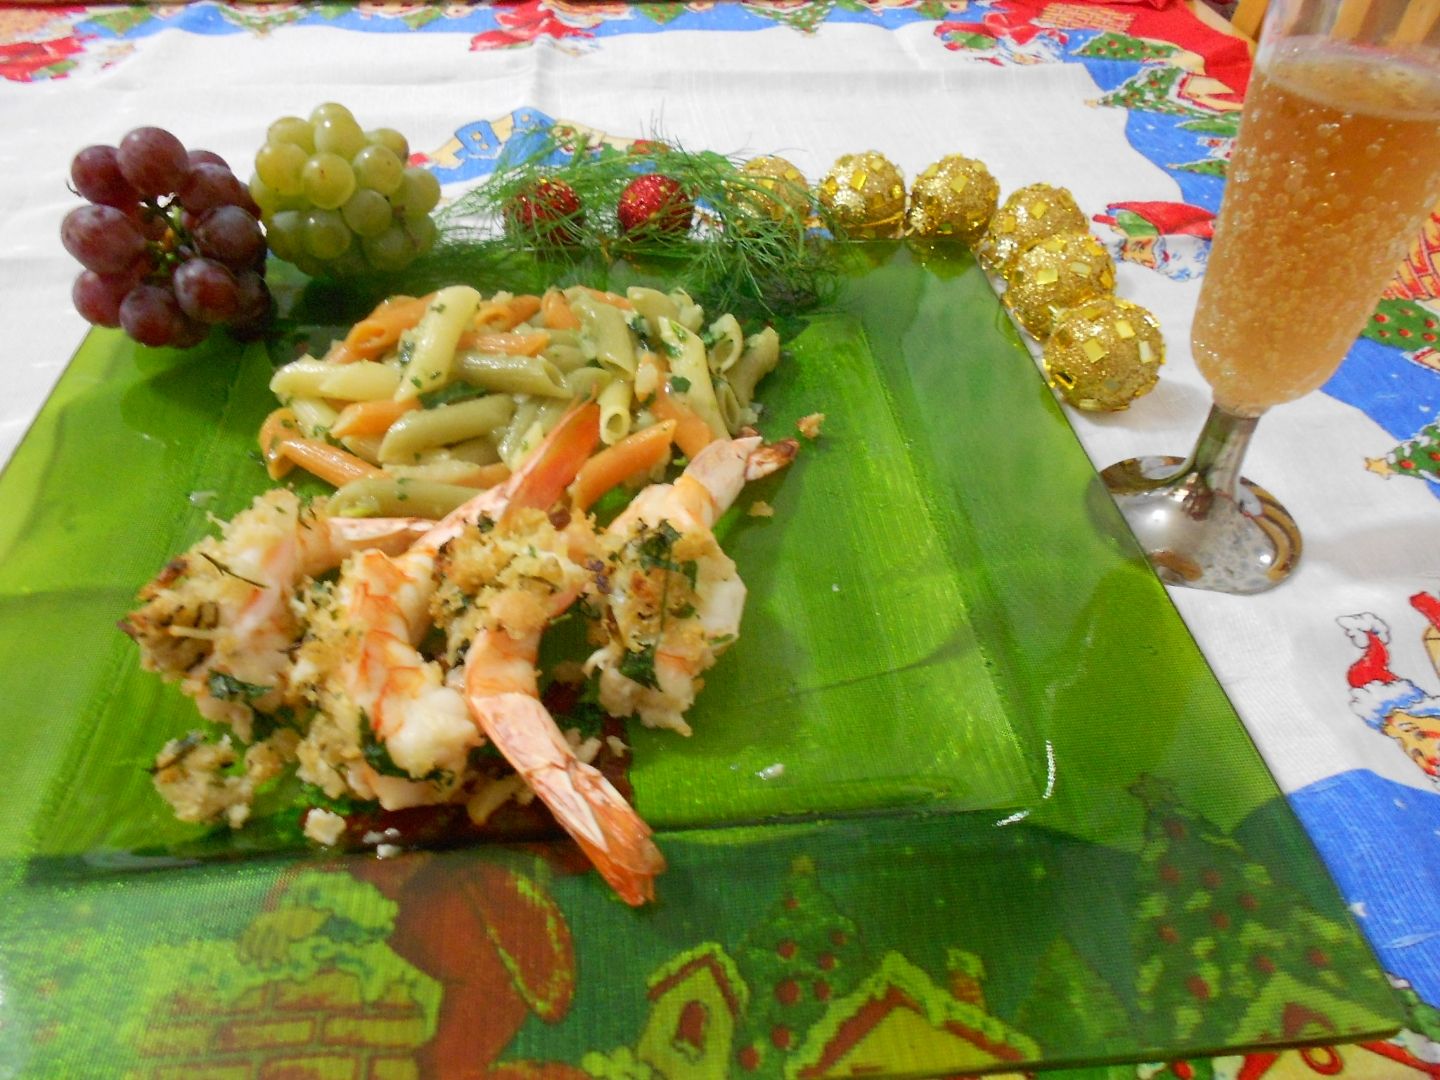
[324,826]
[809,426]
[617,745]
[760,508]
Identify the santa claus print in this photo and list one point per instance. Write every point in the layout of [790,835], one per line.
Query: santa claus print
[1388,703]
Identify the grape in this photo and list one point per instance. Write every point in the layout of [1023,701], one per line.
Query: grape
[253,309]
[278,166]
[287,234]
[393,249]
[208,186]
[338,134]
[392,140]
[151,315]
[423,232]
[104,239]
[327,110]
[329,180]
[95,172]
[98,296]
[153,161]
[419,193]
[337,200]
[231,236]
[206,291]
[205,157]
[367,212]
[292,129]
[326,235]
[161,262]
[376,167]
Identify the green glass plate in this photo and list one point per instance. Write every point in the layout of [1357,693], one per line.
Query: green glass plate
[964,797]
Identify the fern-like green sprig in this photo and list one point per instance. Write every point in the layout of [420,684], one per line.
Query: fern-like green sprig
[748,251]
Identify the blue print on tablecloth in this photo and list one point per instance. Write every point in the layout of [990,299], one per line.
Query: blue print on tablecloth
[1387,385]
[1381,842]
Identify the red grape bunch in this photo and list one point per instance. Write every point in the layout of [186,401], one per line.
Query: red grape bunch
[338,200]
[170,242]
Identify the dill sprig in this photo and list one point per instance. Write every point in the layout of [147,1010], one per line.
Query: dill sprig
[737,257]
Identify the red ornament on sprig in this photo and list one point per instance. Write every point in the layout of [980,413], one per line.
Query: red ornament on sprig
[655,204]
[549,211]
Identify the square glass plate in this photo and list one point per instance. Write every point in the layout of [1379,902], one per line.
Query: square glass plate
[964,796]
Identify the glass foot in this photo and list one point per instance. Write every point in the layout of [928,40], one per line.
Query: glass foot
[1197,536]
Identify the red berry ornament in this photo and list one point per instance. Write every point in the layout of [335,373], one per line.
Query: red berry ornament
[657,204]
[549,211]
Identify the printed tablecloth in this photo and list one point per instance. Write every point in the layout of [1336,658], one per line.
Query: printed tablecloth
[1132,106]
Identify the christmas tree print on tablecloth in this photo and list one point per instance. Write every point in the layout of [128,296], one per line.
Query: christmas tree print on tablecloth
[1230,950]
[1417,456]
[802,956]
[1112,46]
[1070,1003]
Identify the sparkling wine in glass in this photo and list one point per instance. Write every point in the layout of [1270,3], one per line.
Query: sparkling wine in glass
[1336,167]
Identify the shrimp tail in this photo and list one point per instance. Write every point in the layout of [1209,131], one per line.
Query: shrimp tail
[587,806]
[770,458]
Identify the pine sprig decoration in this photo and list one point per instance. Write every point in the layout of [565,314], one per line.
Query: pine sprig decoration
[747,252]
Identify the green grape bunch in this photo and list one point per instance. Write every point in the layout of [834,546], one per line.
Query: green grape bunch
[337,200]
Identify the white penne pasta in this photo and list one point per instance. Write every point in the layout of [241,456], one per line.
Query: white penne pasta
[587,382]
[732,412]
[424,429]
[652,305]
[509,440]
[439,466]
[614,400]
[300,378]
[479,451]
[313,416]
[365,447]
[566,357]
[604,332]
[692,315]
[686,353]
[383,496]
[511,374]
[364,380]
[728,343]
[430,352]
[762,353]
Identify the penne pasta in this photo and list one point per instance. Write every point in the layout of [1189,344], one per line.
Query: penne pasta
[429,353]
[728,343]
[652,305]
[314,416]
[364,380]
[388,496]
[444,425]
[690,374]
[614,401]
[762,353]
[511,374]
[605,333]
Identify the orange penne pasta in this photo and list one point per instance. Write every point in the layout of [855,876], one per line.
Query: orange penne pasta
[484,476]
[377,333]
[556,313]
[277,427]
[516,344]
[329,463]
[635,455]
[370,417]
[692,433]
[506,314]
[610,298]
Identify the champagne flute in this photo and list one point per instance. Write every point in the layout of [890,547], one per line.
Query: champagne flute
[1336,167]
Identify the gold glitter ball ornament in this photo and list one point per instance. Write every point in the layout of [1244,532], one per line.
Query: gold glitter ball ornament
[1104,354]
[772,187]
[865,193]
[955,197]
[1030,214]
[1055,274]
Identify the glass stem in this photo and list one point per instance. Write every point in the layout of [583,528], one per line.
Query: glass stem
[1215,462]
